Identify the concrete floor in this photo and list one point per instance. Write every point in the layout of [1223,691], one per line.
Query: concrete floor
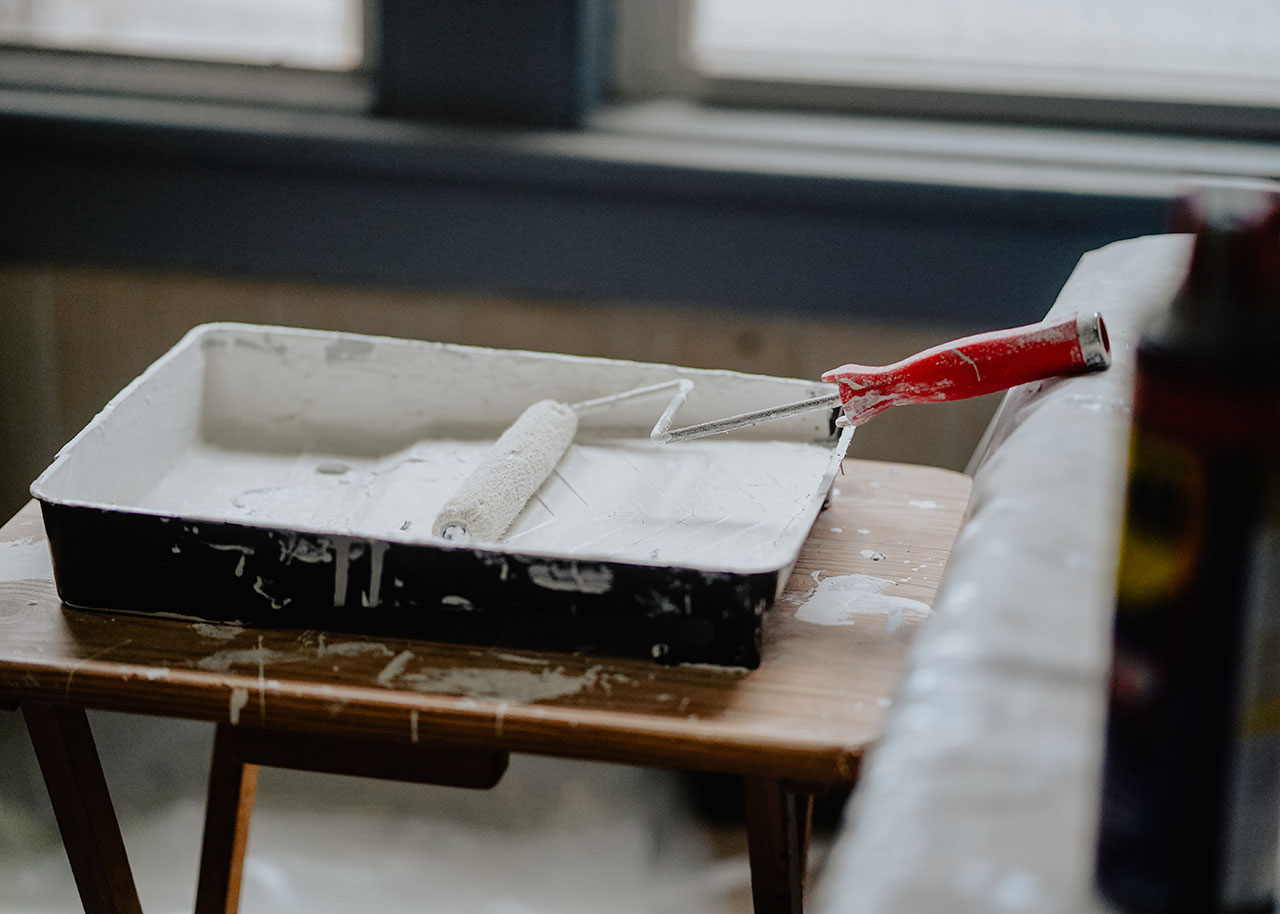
[555,836]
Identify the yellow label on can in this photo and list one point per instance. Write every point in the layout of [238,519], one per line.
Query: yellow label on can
[1164,521]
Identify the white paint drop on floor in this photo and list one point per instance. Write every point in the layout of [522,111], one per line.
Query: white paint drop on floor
[516,849]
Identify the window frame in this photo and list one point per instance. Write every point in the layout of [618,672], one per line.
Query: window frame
[653,58]
[599,199]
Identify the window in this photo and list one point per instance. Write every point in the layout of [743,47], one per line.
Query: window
[312,34]
[474,150]
[1182,64]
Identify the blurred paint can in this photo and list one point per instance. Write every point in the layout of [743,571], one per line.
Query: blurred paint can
[1190,814]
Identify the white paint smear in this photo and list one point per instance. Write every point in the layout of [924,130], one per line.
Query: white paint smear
[239,698]
[223,661]
[574,579]
[513,685]
[716,668]
[26,559]
[221,632]
[353,649]
[840,600]
[925,504]
[260,656]
[395,667]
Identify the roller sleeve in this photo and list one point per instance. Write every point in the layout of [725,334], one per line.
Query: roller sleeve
[516,466]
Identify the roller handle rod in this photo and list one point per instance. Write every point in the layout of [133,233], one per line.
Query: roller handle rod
[743,420]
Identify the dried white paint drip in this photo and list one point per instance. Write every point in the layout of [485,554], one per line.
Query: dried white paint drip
[395,667]
[518,658]
[341,560]
[925,504]
[260,589]
[514,685]
[231,547]
[377,550]
[25,559]
[262,683]
[221,632]
[840,600]
[239,698]
[972,363]
[302,550]
[352,648]
[223,661]
[573,579]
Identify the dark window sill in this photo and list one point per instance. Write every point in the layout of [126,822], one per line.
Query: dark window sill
[665,203]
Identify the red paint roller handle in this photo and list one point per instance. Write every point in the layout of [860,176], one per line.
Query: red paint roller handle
[974,365]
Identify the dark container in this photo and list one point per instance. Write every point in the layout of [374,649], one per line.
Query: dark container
[1191,779]
[208,489]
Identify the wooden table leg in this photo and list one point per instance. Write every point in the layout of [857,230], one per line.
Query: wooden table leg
[778,822]
[90,833]
[233,784]
[233,781]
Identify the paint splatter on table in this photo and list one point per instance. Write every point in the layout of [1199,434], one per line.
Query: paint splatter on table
[806,714]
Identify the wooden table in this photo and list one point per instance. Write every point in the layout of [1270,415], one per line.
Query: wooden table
[450,714]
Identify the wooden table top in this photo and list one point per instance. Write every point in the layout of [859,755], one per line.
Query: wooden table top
[806,714]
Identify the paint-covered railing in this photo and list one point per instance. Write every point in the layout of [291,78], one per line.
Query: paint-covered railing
[982,795]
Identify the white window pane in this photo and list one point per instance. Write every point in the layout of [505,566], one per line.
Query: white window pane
[1081,46]
[320,34]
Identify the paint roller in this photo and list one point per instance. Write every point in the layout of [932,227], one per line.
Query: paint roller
[523,457]
[527,452]
[969,367]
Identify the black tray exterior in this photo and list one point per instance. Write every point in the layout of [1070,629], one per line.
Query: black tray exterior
[260,576]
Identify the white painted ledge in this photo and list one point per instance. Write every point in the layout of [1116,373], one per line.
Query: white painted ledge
[982,795]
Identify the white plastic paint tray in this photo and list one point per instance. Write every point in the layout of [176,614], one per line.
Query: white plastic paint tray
[288,478]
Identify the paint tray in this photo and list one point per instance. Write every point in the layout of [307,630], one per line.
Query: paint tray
[280,477]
